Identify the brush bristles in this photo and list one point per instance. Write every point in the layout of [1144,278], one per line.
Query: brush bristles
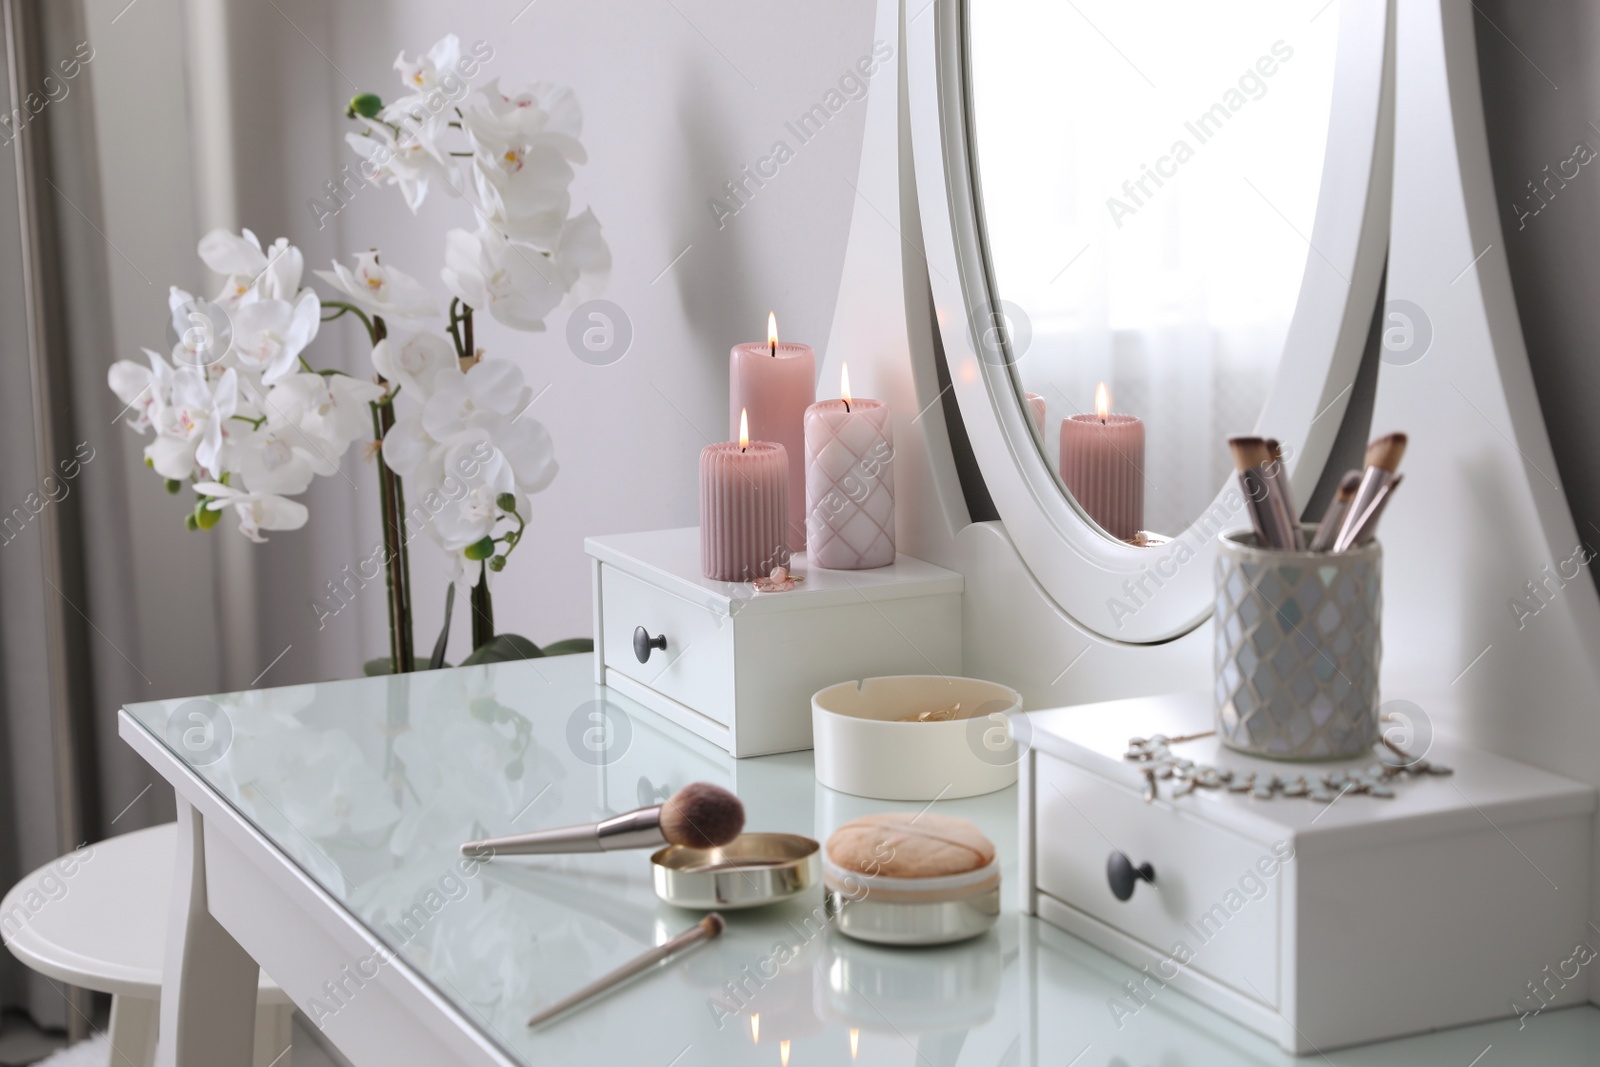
[1386,452]
[1348,486]
[701,815]
[1249,452]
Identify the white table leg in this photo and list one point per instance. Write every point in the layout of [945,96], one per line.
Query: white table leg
[274,1035]
[208,989]
[133,1032]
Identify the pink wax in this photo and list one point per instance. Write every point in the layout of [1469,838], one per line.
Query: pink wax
[849,485]
[744,510]
[1102,463]
[776,390]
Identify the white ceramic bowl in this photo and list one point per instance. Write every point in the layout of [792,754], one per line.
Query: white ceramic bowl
[864,747]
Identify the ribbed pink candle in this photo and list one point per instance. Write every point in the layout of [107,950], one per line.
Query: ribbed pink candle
[1102,462]
[776,390]
[744,510]
[849,485]
[1036,409]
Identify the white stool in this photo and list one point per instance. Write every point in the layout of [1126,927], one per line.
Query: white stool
[97,919]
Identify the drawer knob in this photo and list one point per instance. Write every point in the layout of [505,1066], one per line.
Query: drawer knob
[643,643]
[1123,875]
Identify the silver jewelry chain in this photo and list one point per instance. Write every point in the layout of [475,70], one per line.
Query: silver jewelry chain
[1156,759]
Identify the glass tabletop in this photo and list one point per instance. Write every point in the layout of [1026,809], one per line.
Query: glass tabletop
[370,786]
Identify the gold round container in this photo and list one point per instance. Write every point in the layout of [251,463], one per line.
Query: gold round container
[751,870]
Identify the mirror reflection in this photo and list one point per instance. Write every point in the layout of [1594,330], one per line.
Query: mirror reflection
[1149,179]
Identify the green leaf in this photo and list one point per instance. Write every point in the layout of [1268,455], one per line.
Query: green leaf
[503,648]
[436,660]
[173,485]
[367,105]
[479,550]
[570,646]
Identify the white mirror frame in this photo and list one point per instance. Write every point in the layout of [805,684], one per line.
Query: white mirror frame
[1120,592]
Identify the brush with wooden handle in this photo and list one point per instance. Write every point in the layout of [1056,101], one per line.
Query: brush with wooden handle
[1268,511]
[699,815]
[1328,530]
[1382,460]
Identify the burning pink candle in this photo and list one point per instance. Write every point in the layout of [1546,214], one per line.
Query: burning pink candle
[1102,462]
[744,507]
[775,383]
[849,482]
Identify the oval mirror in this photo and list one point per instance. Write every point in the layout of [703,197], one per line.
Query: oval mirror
[1148,227]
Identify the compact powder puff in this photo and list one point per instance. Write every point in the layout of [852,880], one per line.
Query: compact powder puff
[909,879]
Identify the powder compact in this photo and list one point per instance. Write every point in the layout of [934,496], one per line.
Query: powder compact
[911,879]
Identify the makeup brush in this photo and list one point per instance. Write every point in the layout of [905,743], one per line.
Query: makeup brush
[1251,458]
[1333,518]
[1278,475]
[704,930]
[699,815]
[1383,459]
[1366,526]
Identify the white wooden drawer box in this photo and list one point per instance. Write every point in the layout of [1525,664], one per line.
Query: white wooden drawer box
[738,667]
[1316,925]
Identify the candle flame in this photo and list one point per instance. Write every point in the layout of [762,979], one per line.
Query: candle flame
[744,429]
[755,1028]
[772,331]
[855,1042]
[844,384]
[1102,402]
[783,1053]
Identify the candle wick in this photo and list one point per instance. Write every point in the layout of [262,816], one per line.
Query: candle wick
[847,407]
[774,350]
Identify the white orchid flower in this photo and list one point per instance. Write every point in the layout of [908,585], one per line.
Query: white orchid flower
[515,284]
[329,408]
[583,259]
[381,289]
[256,511]
[540,108]
[417,361]
[278,460]
[470,479]
[523,187]
[269,335]
[250,273]
[141,389]
[189,424]
[426,72]
[410,161]
[492,390]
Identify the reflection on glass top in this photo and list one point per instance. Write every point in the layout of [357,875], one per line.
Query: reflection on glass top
[370,785]
[1150,175]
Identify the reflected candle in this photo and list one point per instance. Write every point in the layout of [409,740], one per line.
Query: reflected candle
[775,383]
[1102,464]
[849,482]
[744,508]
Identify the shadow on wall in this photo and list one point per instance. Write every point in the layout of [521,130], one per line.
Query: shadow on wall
[1540,71]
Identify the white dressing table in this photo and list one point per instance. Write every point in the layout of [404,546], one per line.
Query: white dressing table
[320,841]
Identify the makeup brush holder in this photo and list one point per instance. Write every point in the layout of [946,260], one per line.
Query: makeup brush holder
[1298,643]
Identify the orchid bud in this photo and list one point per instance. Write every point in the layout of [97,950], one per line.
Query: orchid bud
[497,563]
[190,522]
[480,549]
[367,105]
[506,502]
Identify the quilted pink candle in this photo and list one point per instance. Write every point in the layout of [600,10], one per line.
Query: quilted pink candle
[775,383]
[744,508]
[849,482]
[1102,464]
